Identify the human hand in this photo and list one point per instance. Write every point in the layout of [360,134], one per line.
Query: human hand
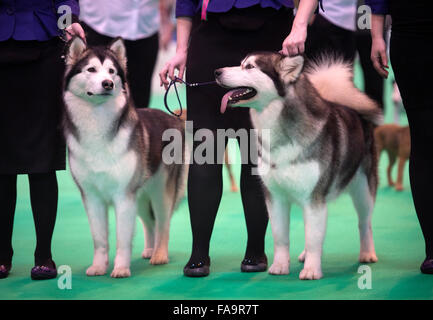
[294,44]
[177,62]
[75,29]
[378,56]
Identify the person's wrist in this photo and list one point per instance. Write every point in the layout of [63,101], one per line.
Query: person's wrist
[300,25]
[181,49]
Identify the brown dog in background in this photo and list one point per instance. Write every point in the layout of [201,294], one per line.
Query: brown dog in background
[233,185]
[395,140]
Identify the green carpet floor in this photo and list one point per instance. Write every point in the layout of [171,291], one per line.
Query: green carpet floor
[397,235]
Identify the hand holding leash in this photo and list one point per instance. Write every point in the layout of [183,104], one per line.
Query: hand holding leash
[74,29]
[177,62]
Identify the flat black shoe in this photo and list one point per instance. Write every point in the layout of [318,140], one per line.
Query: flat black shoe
[254,264]
[44,272]
[197,269]
[4,271]
[427,266]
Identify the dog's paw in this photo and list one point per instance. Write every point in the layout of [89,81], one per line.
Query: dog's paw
[147,253]
[159,258]
[368,257]
[279,268]
[399,187]
[121,272]
[95,270]
[310,274]
[301,257]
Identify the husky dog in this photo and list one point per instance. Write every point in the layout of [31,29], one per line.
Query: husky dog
[115,156]
[320,143]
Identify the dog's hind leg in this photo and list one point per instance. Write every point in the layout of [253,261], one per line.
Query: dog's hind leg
[399,184]
[315,216]
[96,210]
[147,217]
[280,222]
[363,200]
[162,209]
[126,215]
[392,158]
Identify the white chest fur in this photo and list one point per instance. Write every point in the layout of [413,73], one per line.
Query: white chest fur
[282,174]
[100,162]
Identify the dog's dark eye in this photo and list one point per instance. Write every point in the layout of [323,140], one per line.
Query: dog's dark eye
[249,66]
[111,70]
[91,69]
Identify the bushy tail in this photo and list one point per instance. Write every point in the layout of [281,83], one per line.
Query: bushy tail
[333,79]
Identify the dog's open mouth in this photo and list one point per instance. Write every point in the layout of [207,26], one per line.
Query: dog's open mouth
[99,94]
[236,95]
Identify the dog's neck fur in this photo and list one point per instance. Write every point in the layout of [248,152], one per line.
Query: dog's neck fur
[289,117]
[96,121]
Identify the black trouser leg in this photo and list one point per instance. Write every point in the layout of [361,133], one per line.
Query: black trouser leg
[412,61]
[253,197]
[8,197]
[205,188]
[256,214]
[43,197]
[421,171]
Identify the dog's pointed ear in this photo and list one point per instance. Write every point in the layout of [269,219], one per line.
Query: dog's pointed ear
[119,49]
[290,68]
[76,48]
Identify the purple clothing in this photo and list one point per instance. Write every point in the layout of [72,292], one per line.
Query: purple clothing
[32,19]
[378,6]
[188,8]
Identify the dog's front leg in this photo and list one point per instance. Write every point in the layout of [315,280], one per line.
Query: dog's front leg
[280,223]
[126,212]
[96,210]
[315,216]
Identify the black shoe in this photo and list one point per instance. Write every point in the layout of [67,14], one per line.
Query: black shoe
[255,264]
[427,266]
[197,269]
[45,271]
[4,271]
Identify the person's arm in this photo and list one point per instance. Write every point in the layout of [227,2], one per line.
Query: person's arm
[378,46]
[294,44]
[166,29]
[185,10]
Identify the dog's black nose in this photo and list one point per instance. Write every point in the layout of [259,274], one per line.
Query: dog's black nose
[108,84]
[217,73]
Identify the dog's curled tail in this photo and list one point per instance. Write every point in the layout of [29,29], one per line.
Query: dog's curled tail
[333,79]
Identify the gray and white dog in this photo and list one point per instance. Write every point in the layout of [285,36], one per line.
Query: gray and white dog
[115,156]
[320,144]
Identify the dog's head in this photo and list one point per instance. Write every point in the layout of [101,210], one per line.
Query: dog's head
[260,79]
[95,74]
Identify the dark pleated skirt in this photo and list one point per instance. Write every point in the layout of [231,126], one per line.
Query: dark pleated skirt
[31,139]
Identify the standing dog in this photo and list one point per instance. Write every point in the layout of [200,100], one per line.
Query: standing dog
[320,143]
[115,156]
[395,140]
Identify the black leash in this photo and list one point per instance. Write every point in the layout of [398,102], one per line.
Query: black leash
[173,83]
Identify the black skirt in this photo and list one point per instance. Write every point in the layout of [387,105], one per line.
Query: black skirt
[223,41]
[31,139]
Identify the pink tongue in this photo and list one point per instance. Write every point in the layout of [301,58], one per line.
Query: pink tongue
[224,101]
